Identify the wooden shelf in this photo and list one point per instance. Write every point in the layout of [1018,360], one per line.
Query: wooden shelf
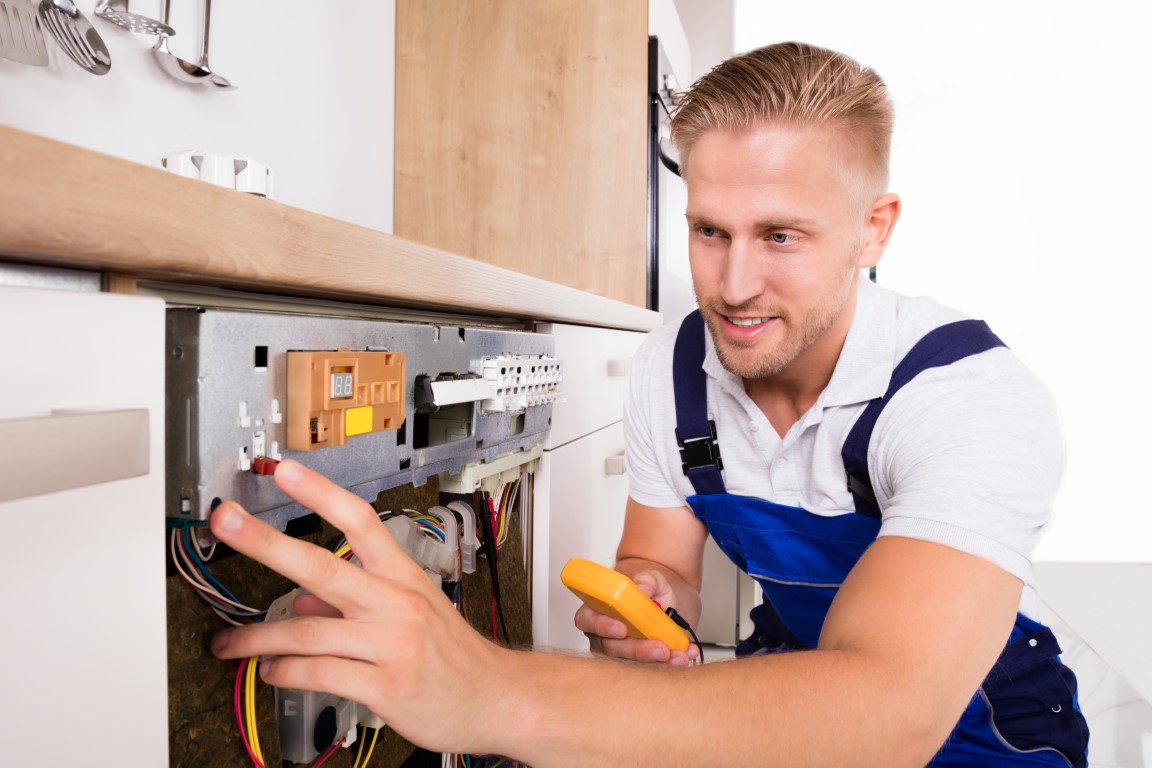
[67,206]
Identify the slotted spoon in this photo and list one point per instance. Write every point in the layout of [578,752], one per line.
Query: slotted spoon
[65,24]
[116,11]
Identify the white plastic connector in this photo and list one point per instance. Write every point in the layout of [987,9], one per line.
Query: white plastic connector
[297,711]
[468,541]
[519,381]
[368,718]
[451,539]
[490,475]
[430,554]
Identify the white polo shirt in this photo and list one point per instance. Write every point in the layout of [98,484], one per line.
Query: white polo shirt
[967,455]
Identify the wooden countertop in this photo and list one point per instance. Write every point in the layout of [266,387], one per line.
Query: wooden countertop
[66,206]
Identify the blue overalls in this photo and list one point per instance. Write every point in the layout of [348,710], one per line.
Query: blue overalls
[1025,713]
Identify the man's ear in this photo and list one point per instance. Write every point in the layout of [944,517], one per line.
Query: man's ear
[878,226]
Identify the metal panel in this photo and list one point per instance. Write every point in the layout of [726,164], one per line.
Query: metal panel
[220,402]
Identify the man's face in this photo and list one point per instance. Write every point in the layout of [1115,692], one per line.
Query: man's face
[776,234]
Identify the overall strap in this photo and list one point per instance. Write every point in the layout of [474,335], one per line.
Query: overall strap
[942,346]
[695,432]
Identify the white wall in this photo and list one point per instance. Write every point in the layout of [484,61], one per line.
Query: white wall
[315,99]
[1022,156]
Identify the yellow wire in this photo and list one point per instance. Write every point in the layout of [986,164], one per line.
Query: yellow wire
[343,550]
[502,533]
[371,747]
[359,751]
[250,707]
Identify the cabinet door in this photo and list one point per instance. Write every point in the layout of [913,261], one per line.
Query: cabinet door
[521,136]
[594,363]
[83,571]
[580,493]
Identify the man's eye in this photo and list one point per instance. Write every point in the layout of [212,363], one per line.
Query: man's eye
[780,238]
[708,231]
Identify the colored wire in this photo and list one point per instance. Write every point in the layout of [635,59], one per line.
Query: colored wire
[508,495]
[200,550]
[360,749]
[371,748]
[250,696]
[258,761]
[431,526]
[196,560]
[327,754]
[489,529]
[186,561]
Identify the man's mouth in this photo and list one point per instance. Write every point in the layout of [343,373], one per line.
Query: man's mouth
[747,322]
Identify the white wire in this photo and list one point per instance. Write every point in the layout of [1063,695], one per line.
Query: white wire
[205,588]
[199,549]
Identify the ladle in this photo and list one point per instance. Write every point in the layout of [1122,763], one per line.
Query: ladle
[186,71]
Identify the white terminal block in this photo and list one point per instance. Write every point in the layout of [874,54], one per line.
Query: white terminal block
[519,381]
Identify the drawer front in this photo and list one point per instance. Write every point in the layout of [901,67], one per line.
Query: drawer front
[594,363]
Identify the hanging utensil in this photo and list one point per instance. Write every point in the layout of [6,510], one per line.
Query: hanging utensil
[186,71]
[216,80]
[63,21]
[116,11]
[20,36]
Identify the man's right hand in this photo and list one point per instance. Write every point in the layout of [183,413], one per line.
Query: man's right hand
[609,637]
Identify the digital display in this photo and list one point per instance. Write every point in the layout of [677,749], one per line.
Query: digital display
[341,386]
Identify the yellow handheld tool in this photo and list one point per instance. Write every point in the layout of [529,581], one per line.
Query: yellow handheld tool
[613,594]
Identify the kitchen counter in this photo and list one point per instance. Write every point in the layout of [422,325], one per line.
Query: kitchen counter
[67,206]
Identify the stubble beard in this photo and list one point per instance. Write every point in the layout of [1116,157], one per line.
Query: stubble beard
[747,360]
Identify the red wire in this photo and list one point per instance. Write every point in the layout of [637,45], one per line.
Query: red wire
[327,754]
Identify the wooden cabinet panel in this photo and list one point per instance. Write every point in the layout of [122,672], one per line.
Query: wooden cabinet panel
[520,136]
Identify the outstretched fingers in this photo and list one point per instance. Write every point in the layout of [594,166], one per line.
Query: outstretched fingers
[374,546]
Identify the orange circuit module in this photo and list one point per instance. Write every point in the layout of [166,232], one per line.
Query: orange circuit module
[333,396]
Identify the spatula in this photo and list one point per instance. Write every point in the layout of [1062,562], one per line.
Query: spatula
[21,38]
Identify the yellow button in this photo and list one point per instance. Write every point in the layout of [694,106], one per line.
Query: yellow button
[358,421]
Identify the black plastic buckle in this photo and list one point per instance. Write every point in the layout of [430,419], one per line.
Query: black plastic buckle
[697,452]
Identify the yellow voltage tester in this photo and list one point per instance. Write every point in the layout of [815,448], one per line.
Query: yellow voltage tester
[614,594]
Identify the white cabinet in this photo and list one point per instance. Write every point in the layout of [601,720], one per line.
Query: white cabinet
[82,574]
[580,489]
[579,512]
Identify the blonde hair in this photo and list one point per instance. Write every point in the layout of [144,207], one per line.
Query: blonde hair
[793,84]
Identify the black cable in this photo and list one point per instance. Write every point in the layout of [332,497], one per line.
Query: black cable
[683,624]
[490,553]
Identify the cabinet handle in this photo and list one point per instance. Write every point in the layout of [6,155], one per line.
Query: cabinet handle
[614,465]
[618,366]
[71,449]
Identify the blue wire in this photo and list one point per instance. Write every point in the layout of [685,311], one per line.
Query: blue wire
[195,557]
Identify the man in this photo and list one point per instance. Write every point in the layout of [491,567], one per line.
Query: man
[882,465]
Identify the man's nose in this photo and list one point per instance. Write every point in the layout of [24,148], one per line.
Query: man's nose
[743,277]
